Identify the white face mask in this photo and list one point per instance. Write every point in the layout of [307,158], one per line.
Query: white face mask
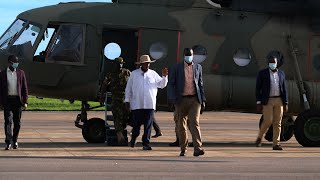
[15,65]
[188,59]
[272,66]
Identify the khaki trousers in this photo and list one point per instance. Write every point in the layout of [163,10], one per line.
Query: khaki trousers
[189,113]
[176,118]
[272,114]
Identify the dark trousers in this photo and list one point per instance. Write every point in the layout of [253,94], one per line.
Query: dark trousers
[142,116]
[156,126]
[12,113]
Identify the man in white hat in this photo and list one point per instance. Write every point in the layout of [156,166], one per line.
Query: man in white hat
[140,98]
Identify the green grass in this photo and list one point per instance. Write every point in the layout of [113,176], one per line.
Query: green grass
[48,104]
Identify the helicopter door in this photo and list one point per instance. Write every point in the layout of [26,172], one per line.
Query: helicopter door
[117,43]
[164,47]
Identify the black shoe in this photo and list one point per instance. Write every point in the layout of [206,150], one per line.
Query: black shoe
[277,147]
[146,147]
[190,144]
[176,143]
[183,153]
[133,142]
[8,146]
[198,152]
[15,145]
[157,135]
[258,142]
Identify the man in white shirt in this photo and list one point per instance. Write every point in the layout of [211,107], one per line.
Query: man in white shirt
[140,98]
[13,98]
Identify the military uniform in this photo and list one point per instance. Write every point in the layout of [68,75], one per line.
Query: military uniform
[117,83]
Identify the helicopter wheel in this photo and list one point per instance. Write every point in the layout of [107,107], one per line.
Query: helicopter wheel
[94,130]
[287,129]
[307,128]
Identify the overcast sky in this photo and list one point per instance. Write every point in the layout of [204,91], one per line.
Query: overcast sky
[11,8]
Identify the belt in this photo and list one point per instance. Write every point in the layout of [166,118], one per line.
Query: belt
[12,96]
[274,96]
[189,96]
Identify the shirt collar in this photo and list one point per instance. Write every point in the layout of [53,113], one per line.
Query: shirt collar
[272,71]
[8,70]
[186,64]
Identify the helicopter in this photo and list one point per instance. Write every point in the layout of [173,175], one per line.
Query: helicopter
[67,49]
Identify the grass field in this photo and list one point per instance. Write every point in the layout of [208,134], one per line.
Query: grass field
[48,104]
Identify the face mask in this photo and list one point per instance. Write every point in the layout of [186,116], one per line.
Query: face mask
[272,66]
[188,59]
[15,65]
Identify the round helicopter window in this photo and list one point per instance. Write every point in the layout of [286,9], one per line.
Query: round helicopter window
[199,53]
[158,50]
[242,57]
[112,51]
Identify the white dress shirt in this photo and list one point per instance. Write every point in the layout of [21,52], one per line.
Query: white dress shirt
[12,82]
[274,84]
[142,89]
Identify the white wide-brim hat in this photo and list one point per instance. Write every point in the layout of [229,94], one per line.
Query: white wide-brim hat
[144,59]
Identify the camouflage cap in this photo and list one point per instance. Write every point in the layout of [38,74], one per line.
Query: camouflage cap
[119,60]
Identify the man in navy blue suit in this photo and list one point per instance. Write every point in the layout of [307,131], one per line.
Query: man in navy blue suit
[272,100]
[186,92]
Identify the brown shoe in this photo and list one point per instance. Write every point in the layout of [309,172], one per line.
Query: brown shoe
[258,142]
[277,147]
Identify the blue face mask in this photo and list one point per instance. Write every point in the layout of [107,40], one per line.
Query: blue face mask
[272,66]
[15,65]
[188,59]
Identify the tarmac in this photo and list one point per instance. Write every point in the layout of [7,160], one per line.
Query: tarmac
[51,147]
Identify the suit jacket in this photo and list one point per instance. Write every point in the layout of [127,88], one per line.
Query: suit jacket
[22,87]
[263,86]
[176,83]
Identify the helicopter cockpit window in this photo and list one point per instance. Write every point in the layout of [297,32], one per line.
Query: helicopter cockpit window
[158,50]
[112,51]
[242,57]
[23,46]
[199,53]
[66,46]
[9,35]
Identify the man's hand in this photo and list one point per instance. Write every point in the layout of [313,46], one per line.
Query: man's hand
[127,106]
[24,107]
[165,72]
[203,106]
[285,108]
[259,108]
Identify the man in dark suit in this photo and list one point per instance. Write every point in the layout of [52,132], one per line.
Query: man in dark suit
[13,97]
[272,100]
[186,92]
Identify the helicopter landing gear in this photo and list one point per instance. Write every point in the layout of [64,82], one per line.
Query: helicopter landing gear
[307,128]
[287,129]
[94,129]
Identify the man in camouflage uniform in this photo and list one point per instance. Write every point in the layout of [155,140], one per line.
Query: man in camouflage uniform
[116,81]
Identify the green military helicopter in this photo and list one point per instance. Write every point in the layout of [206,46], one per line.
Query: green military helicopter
[67,49]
